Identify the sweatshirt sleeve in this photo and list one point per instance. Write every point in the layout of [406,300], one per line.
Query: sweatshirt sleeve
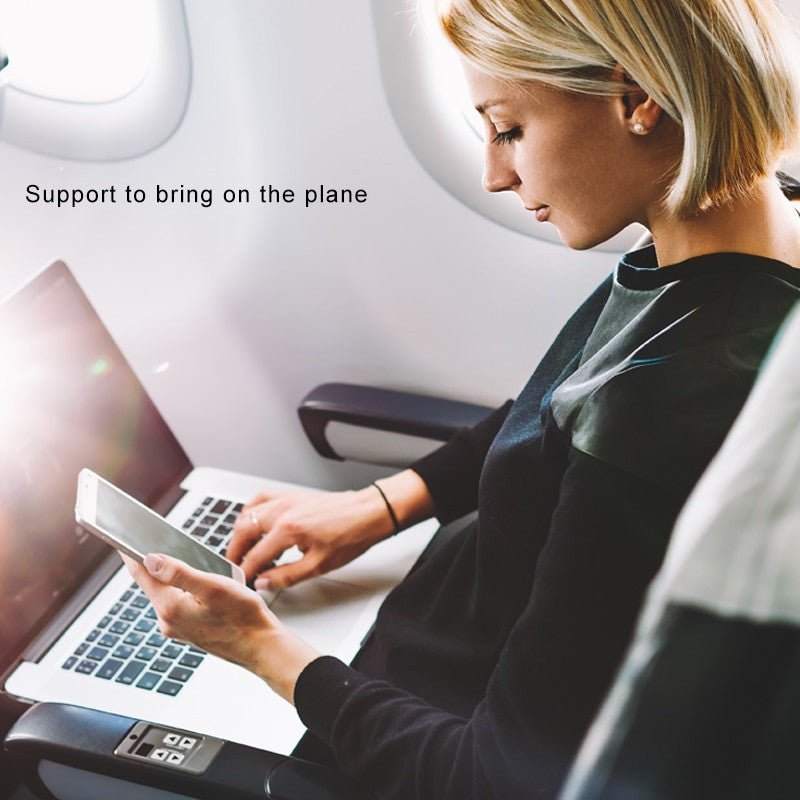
[605,542]
[452,472]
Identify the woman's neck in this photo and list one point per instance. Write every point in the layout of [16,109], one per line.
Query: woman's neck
[764,224]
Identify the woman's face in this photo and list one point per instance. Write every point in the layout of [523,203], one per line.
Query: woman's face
[573,153]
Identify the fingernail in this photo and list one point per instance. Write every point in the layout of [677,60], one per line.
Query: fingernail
[263,583]
[153,562]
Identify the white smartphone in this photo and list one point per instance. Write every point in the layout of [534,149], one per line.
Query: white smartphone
[134,529]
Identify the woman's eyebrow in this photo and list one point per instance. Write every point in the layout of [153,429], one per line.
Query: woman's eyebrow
[482,107]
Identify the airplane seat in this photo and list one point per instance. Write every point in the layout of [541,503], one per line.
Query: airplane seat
[64,752]
[707,702]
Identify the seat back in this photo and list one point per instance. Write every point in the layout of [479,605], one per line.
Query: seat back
[707,702]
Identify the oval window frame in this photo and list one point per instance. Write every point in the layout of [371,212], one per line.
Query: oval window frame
[433,124]
[123,128]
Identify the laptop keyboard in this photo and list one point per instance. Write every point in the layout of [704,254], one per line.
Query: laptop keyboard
[125,645]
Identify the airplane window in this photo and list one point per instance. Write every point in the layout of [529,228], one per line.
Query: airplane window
[94,80]
[60,59]
[423,84]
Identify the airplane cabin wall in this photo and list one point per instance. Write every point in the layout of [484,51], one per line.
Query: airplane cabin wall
[254,305]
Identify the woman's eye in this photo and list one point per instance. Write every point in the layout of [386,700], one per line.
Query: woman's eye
[503,137]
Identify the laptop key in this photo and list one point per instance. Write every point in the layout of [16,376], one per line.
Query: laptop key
[69,663]
[171,651]
[169,687]
[131,672]
[140,601]
[191,660]
[104,623]
[109,669]
[151,613]
[127,596]
[188,524]
[148,680]
[144,625]
[108,640]
[213,541]
[86,667]
[200,531]
[230,519]
[123,651]
[220,506]
[81,649]
[116,608]
[130,614]
[156,640]
[119,627]
[133,639]
[93,635]
[210,521]
[198,511]
[161,665]
[97,653]
[207,502]
[181,674]
[237,509]
[146,653]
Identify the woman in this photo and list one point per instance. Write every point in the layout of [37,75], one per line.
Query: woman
[490,659]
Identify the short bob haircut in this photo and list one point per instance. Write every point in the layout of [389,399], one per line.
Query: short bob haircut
[727,71]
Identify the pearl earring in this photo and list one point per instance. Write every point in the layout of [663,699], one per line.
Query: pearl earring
[639,128]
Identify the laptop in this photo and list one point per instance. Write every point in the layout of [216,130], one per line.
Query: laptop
[74,628]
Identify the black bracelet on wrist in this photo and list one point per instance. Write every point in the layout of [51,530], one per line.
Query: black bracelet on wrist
[389,509]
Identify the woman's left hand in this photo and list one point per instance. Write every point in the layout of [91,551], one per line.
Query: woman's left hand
[223,617]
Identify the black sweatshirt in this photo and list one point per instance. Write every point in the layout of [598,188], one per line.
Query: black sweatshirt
[490,659]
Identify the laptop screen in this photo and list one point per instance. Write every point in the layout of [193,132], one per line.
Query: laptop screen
[68,399]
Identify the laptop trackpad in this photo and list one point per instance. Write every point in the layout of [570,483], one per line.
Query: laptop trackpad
[324,611]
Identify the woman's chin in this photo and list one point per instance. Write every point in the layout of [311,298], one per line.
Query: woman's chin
[583,239]
[575,240]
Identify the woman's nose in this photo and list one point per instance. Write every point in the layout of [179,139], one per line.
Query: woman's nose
[498,174]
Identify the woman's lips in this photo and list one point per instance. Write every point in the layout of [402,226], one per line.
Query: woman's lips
[542,213]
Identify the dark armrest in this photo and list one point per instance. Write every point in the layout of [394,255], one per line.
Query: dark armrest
[54,742]
[383,410]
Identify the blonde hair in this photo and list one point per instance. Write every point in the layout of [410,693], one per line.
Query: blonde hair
[727,71]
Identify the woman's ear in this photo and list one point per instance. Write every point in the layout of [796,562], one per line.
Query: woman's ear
[638,111]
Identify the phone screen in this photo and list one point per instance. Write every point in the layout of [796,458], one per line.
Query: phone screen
[145,532]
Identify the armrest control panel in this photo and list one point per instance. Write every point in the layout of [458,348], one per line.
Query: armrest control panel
[169,747]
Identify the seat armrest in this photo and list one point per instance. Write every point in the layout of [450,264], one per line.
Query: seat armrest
[388,410]
[61,746]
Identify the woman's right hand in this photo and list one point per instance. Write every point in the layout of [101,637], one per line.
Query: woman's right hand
[329,528]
